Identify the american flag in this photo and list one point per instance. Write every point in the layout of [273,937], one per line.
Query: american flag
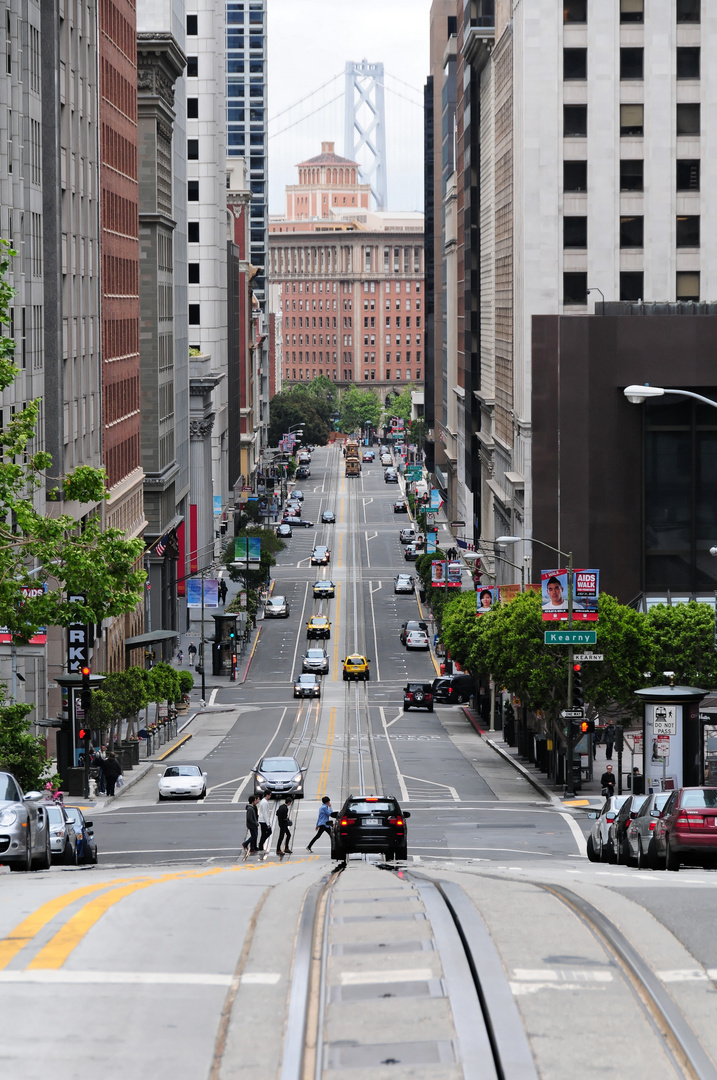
[161,545]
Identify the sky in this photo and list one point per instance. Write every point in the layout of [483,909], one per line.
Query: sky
[310,42]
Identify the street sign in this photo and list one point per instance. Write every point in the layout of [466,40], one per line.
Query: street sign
[664,720]
[458,524]
[573,714]
[414,472]
[583,657]
[570,637]
[430,519]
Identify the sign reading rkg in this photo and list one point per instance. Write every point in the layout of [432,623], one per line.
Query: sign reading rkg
[78,642]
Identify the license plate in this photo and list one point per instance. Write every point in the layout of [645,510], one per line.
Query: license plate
[372,821]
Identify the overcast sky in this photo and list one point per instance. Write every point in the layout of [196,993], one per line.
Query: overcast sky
[310,42]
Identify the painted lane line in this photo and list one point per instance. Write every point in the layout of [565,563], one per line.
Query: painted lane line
[132,978]
[213,695]
[577,833]
[240,789]
[434,783]
[260,978]
[399,775]
[323,775]
[366,978]
[373,624]
[561,975]
[687,975]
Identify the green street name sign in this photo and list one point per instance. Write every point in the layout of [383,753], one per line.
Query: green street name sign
[570,637]
[414,472]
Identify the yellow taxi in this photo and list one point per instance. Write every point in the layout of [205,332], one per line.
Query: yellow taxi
[356,667]
[318,626]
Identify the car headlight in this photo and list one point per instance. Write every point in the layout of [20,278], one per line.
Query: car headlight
[58,830]
[8,817]
[297,779]
[260,779]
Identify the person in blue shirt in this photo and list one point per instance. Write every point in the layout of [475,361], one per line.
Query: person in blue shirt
[322,822]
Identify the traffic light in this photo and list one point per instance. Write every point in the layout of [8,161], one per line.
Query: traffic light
[587,727]
[86,692]
[578,700]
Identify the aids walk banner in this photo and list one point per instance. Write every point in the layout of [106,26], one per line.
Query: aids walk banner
[455,574]
[487,599]
[438,574]
[586,593]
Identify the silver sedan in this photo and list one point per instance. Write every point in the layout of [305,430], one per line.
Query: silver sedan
[641,829]
[24,835]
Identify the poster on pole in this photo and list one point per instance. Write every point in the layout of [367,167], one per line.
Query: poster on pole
[487,599]
[438,574]
[554,592]
[431,542]
[454,574]
[435,500]
[247,549]
[211,592]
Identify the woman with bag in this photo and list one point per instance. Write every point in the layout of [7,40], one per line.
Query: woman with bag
[112,770]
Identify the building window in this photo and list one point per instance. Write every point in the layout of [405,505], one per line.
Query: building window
[632,175]
[632,11]
[688,11]
[192,190]
[632,63]
[193,273]
[575,64]
[688,174]
[193,108]
[192,29]
[192,67]
[688,119]
[575,232]
[193,310]
[575,176]
[632,285]
[688,63]
[632,120]
[193,232]
[193,149]
[688,285]
[575,11]
[632,229]
[575,289]
[575,121]
[688,231]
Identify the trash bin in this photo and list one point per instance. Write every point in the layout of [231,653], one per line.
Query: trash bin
[638,785]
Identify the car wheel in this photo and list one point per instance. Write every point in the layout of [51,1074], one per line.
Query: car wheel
[204,792]
[95,855]
[672,861]
[69,855]
[367,676]
[161,797]
[401,854]
[346,678]
[651,857]
[430,708]
[592,854]
[44,861]
[26,862]
[610,852]
[630,859]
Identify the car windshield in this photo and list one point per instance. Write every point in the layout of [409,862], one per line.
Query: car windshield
[412,686]
[182,770]
[380,806]
[307,679]
[704,797]
[74,814]
[55,815]
[279,764]
[315,654]
[8,789]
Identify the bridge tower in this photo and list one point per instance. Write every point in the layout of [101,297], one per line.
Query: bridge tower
[365,125]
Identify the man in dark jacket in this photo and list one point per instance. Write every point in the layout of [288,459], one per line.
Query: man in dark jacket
[284,821]
[252,824]
[609,737]
[112,770]
[607,781]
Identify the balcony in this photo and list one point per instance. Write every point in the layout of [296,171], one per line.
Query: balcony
[480,38]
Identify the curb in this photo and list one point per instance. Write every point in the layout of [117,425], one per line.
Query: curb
[542,791]
[170,751]
[146,766]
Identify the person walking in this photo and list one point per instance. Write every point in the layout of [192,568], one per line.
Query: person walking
[192,653]
[98,762]
[264,816]
[223,591]
[607,781]
[283,821]
[180,657]
[322,822]
[252,824]
[112,770]
[609,737]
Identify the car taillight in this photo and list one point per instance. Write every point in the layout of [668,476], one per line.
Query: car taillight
[610,817]
[395,821]
[652,825]
[348,821]
[409,696]
[689,817]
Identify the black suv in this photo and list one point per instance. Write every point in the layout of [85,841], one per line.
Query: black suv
[370,823]
[418,695]
[412,624]
[303,472]
[453,688]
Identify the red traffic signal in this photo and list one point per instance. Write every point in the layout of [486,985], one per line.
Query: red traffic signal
[83,733]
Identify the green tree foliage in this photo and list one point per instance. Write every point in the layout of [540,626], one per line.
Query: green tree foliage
[682,639]
[21,753]
[121,697]
[401,405]
[311,404]
[358,407]
[163,684]
[254,577]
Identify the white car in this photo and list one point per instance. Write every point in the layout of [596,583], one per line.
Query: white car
[417,639]
[276,607]
[182,781]
[598,846]
[404,583]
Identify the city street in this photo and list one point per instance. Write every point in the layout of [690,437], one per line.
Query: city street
[174,958]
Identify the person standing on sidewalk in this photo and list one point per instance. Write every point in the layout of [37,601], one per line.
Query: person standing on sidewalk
[265,819]
[112,770]
[252,824]
[607,782]
[284,821]
[192,653]
[322,822]
[609,737]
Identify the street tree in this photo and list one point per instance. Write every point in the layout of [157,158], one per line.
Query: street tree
[163,685]
[682,640]
[21,753]
[253,575]
[306,404]
[401,405]
[357,408]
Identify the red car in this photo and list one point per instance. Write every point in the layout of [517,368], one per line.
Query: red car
[686,830]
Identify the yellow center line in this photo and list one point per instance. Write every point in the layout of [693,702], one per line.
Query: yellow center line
[324,774]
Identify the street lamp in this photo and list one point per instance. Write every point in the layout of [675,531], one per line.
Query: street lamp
[637,394]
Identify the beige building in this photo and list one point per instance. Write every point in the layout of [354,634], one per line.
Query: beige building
[347,282]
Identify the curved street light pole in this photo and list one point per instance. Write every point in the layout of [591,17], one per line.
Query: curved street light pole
[637,394]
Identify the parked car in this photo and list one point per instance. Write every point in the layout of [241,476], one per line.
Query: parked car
[277,607]
[640,834]
[24,828]
[407,536]
[597,845]
[324,589]
[300,523]
[417,639]
[686,830]
[400,507]
[410,552]
[284,530]
[182,781]
[411,624]
[328,517]
[404,583]
[390,476]
[297,496]
[386,460]
[617,841]
[418,695]
[307,685]
[292,510]
[316,660]
[321,555]
[356,667]
[63,838]
[318,626]
[371,824]
[303,472]
[281,775]
[86,843]
[453,689]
